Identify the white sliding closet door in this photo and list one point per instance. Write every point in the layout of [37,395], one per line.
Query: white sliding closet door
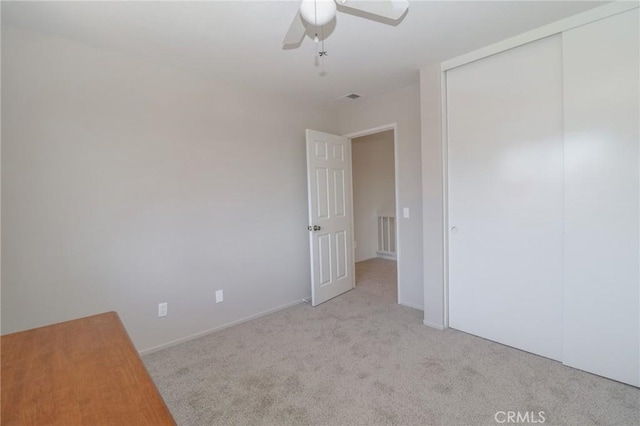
[505,134]
[602,196]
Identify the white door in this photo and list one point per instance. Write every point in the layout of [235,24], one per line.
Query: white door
[602,194]
[330,238]
[505,197]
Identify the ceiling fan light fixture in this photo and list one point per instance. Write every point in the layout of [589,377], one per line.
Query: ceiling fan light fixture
[318,12]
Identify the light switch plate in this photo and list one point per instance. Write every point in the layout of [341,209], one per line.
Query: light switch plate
[219,296]
[405,212]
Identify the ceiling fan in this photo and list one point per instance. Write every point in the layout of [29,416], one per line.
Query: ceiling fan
[320,12]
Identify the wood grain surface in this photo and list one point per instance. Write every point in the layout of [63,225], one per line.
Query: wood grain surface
[80,372]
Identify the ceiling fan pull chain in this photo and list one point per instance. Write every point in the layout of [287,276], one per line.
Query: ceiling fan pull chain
[322,51]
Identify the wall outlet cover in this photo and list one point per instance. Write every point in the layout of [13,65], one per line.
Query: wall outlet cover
[163,309]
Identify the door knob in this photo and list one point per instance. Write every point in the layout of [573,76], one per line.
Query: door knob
[454,229]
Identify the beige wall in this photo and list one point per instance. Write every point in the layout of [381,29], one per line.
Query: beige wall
[403,108]
[373,188]
[125,184]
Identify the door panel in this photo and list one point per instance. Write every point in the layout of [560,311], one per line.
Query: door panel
[602,185]
[505,197]
[322,185]
[329,183]
[324,257]
[341,254]
[339,201]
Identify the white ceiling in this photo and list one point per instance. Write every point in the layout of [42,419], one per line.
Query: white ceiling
[240,42]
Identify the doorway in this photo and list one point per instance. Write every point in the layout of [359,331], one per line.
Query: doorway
[375,203]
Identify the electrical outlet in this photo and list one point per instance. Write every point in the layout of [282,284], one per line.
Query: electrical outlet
[219,296]
[162,309]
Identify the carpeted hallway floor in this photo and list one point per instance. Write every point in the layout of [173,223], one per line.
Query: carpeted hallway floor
[361,359]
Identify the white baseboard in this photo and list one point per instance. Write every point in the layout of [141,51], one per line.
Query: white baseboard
[386,256]
[218,328]
[409,305]
[433,325]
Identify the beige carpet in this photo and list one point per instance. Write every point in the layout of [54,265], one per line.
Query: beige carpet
[362,359]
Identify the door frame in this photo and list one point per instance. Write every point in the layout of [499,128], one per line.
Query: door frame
[372,131]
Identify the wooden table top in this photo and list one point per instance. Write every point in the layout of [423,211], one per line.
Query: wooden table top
[80,372]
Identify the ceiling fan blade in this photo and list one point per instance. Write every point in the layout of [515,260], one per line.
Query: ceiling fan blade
[296,31]
[391,9]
